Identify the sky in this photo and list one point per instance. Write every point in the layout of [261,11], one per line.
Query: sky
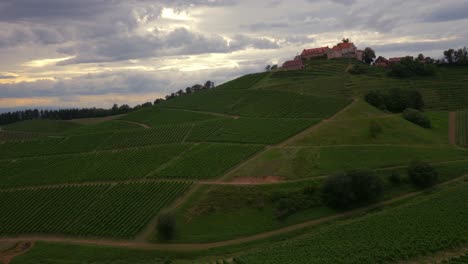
[94,53]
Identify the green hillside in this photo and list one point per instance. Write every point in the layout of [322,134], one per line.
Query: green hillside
[240,169]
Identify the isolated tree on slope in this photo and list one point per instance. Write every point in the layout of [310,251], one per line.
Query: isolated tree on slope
[267,68]
[369,55]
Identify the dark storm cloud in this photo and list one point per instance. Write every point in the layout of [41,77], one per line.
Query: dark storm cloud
[178,42]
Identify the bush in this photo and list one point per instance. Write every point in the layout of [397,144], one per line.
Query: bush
[374,129]
[350,189]
[376,99]
[166,226]
[395,100]
[358,69]
[395,178]
[422,174]
[288,203]
[417,118]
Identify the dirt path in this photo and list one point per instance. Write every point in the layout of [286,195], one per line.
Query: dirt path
[439,257]
[20,248]
[452,128]
[204,246]
[136,123]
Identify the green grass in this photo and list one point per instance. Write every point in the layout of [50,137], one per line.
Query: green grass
[356,121]
[104,210]
[99,166]
[294,163]
[421,228]
[155,116]
[42,126]
[462,128]
[207,161]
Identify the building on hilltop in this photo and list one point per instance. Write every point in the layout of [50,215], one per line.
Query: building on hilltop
[382,62]
[345,50]
[314,53]
[295,64]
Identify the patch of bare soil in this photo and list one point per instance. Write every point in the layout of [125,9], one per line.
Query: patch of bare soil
[19,249]
[452,128]
[256,180]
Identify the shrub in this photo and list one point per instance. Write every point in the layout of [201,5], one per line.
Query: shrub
[357,69]
[395,100]
[288,203]
[374,129]
[417,118]
[351,188]
[166,226]
[395,178]
[422,174]
[376,99]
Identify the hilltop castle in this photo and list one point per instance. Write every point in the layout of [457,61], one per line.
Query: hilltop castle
[341,50]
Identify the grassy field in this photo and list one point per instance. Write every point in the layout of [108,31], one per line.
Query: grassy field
[303,162]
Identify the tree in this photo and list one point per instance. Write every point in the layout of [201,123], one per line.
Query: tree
[267,68]
[421,57]
[351,188]
[345,40]
[166,226]
[188,90]
[274,67]
[376,99]
[147,104]
[416,117]
[209,85]
[449,55]
[422,174]
[369,55]
[158,101]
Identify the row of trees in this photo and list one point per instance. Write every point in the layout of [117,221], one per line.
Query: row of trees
[456,57]
[189,90]
[63,114]
[361,187]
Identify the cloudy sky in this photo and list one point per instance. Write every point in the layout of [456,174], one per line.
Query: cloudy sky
[97,52]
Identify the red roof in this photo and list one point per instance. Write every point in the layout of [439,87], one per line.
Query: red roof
[395,59]
[293,63]
[381,59]
[343,46]
[315,51]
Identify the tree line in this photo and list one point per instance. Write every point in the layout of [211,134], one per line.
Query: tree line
[62,114]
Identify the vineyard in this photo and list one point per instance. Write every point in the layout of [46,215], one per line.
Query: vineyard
[420,228]
[118,211]
[156,117]
[244,82]
[42,126]
[461,125]
[19,136]
[262,131]
[146,137]
[259,103]
[207,161]
[99,166]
